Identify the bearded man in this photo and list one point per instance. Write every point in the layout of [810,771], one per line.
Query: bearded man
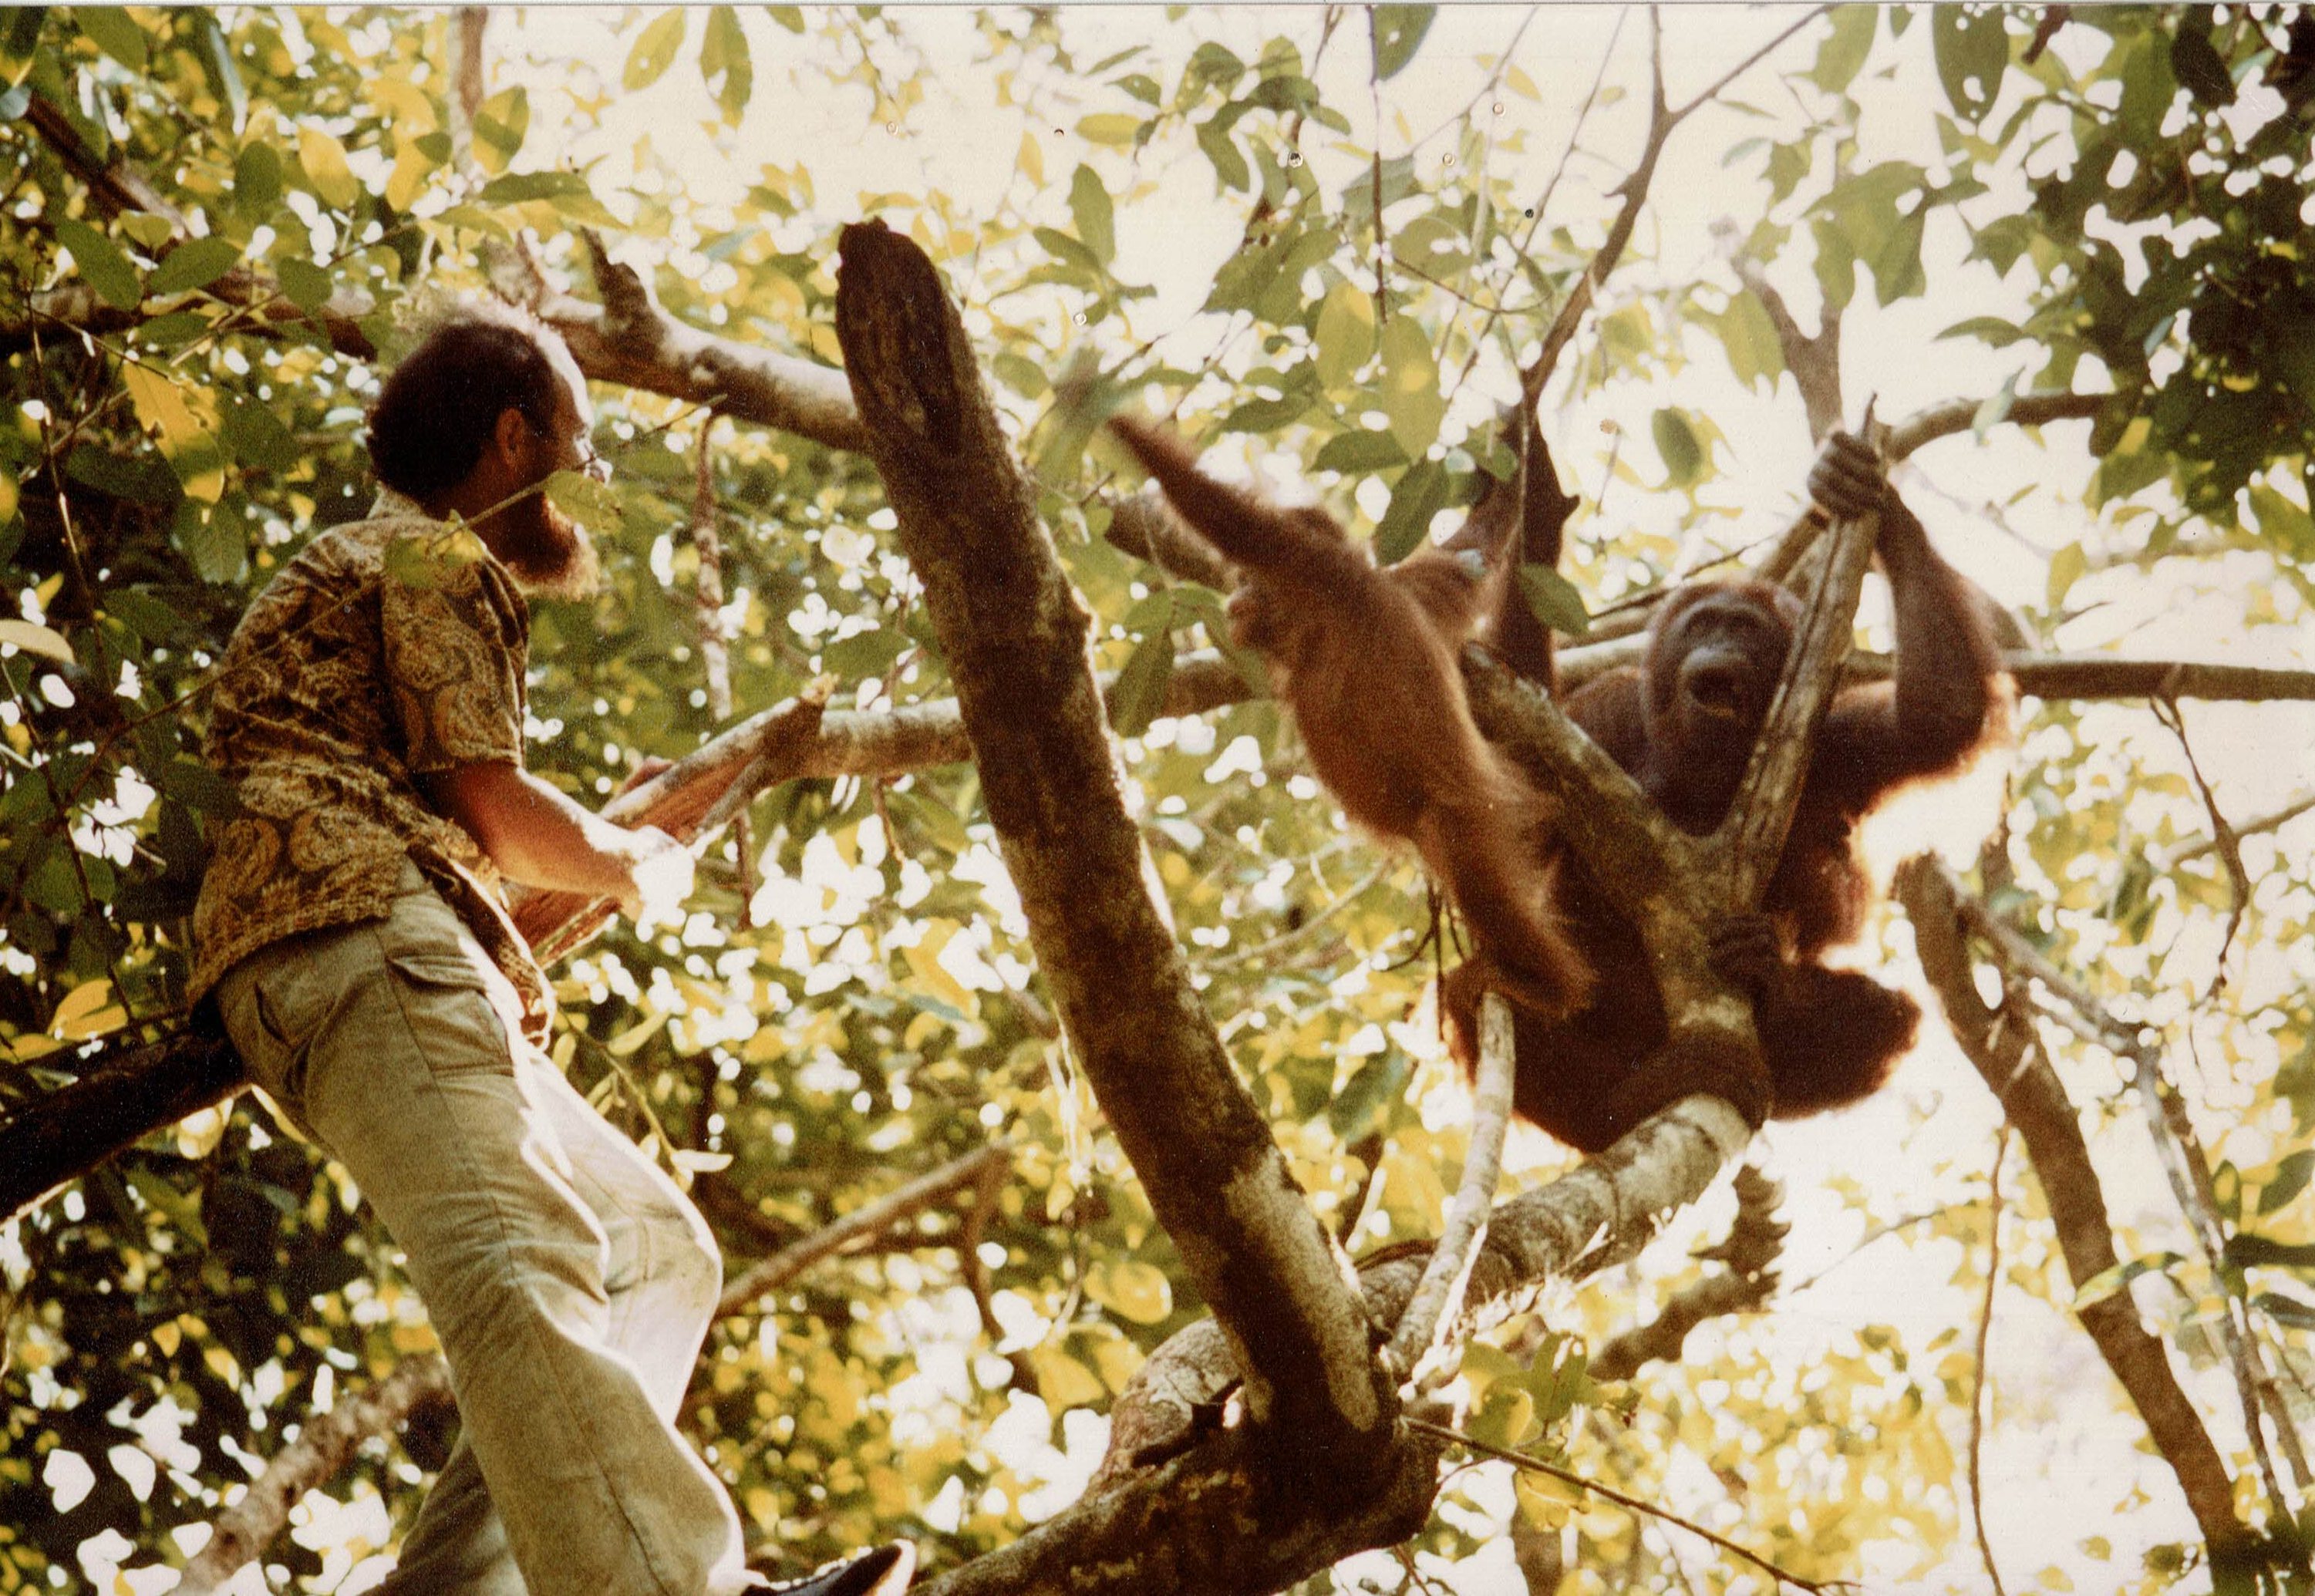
[369,713]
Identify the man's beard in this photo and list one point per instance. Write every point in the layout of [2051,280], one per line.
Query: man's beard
[548,553]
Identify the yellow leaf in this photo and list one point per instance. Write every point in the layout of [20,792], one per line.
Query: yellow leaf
[1032,159]
[166,1337]
[408,179]
[1063,1381]
[24,1048]
[81,1002]
[1132,1289]
[1110,126]
[405,102]
[924,964]
[627,1042]
[1119,1361]
[325,161]
[221,1364]
[36,639]
[9,493]
[160,404]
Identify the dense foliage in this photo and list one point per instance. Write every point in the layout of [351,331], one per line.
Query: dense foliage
[1998,202]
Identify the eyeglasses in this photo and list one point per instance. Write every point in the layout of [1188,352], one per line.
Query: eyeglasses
[581,444]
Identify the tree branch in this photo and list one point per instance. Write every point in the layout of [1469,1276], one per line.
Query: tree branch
[1015,638]
[2000,1044]
[240,1533]
[1756,1240]
[1447,1273]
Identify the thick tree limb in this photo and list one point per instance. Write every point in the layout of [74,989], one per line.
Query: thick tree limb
[1599,1215]
[1015,637]
[630,340]
[2002,1047]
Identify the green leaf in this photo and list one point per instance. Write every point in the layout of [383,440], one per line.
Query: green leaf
[1987,330]
[1554,600]
[865,654]
[2291,1177]
[1069,252]
[1842,55]
[2069,565]
[1095,218]
[217,66]
[654,52]
[1973,51]
[724,54]
[100,263]
[1345,334]
[430,559]
[114,32]
[2196,62]
[1110,126]
[1231,169]
[2245,1250]
[1755,353]
[307,285]
[1420,494]
[215,543]
[143,479]
[1677,443]
[20,37]
[1398,32]
[194,265]
[500,123]
[1141,692]
[1360,450]
[1410,393]
[1380,1082]
[790,17]
[2286,1310]
[592,504]
[520,187]
[257,182]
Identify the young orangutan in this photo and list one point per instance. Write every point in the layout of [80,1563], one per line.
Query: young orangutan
[1366,659]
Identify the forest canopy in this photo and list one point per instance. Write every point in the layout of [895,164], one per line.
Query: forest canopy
[998,996]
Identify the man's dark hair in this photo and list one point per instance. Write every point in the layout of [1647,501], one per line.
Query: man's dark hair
[438,409]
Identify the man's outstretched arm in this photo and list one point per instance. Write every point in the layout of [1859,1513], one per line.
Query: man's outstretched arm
[540,837]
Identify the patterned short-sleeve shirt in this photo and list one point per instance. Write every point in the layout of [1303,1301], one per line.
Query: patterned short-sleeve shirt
[345,683]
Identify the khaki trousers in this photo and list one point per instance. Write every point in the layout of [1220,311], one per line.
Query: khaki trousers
[569,1281]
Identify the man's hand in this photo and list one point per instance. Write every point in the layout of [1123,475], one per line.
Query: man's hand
[659,880]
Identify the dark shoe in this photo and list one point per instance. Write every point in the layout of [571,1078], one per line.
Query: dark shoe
[883,1572]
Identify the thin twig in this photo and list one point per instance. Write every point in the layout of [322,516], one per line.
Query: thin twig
[1631,1503]
[1981,1391]
[2223,838]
